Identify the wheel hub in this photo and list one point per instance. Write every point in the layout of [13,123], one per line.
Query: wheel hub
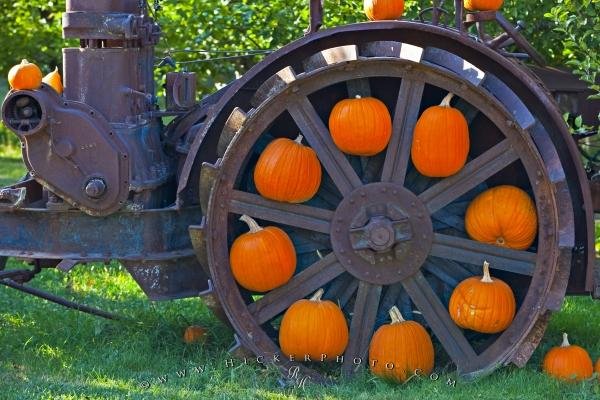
[382,233]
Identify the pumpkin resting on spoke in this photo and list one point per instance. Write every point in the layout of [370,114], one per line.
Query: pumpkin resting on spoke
[441,141]
[360,126]
[504,216]
[288,171]
[262,259]
[484,304]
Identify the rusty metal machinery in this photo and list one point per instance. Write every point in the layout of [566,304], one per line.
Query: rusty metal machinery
[109,181]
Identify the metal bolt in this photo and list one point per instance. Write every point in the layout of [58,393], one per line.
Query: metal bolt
[95,188]
[27,112]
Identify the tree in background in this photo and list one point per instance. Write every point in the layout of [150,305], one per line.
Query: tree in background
[565,31]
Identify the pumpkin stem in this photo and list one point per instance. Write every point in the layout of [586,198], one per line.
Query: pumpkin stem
[447,99]
[317,296]
[396,315]
[565,342]
[252,224]
[299,139]
[24,61]
[486,273]
[358,96]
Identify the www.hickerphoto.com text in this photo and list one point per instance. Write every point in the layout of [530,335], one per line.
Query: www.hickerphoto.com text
[294,376]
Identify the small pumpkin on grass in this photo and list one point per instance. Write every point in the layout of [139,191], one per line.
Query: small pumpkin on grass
[360,126]
[288,171]
[484,304]
[504,216]
[398,349]
[313,329]
[54,80]
[441,141]
[483,5]
[568,362]
[25,76]
[262,259]
[379,10]
[194,334]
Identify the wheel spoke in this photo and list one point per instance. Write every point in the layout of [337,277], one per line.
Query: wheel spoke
[472,252]
[441,273]
[305,283]
[361,327]
[405,118]
[450,336]
[475,172]
[300,216]
[318,136]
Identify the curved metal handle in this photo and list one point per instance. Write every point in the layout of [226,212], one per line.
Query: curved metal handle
[175,91]
[316,16]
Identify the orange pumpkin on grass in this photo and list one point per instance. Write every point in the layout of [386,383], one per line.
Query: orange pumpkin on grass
[288,171]
[399,349]
[194,334]
[262,259]
[360,126]
[483,304]
[568,362]
[313,328]
[441,141]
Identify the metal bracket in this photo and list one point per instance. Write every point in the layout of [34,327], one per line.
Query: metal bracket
[12,197]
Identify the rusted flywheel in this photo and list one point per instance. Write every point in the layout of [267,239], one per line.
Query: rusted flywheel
[510,144]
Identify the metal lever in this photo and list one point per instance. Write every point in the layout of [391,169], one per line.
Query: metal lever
[316,16]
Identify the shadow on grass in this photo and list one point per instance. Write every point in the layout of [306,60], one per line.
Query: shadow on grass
[11,169]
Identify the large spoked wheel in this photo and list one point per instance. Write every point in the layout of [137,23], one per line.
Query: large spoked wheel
[378,233]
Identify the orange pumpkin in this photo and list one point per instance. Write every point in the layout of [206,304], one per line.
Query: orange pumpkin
[378,10]
[484,304]
[568,362]
[54,80]
[504,216]
[441,141]
[360,126]
[483,5]
[314,330]
[25,76]
[262,259]
[194,334]
[288,171]
[399,349]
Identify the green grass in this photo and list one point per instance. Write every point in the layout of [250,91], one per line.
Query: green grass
[47,352]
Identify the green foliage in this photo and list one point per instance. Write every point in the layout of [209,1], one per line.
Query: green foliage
[578,24]
[31,29]
[566,31]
